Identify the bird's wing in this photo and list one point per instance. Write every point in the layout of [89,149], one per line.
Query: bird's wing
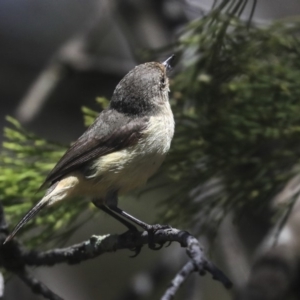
[110,132]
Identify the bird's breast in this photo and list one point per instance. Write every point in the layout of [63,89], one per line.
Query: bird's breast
[130,168]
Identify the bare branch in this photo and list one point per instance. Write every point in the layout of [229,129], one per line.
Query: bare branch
[15,258]
[11,260]
[180,277]
[37,287]
[98,245]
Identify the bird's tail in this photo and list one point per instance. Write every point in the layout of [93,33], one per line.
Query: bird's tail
[44,202]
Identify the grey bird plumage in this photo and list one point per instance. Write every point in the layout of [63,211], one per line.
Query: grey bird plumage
[122,149]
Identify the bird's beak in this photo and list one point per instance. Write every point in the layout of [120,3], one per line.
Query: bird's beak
[168,63]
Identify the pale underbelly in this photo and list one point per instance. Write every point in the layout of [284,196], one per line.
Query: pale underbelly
[122,172]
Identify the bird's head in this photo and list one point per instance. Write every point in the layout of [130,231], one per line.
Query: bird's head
[143,89]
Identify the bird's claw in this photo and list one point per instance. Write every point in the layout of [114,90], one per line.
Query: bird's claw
[169,243]
[137,251]
[152,229]
[154,247]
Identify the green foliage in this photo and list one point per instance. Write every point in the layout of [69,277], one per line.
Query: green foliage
[237,109]
[25,161]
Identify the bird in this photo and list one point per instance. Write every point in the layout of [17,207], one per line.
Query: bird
[120,151]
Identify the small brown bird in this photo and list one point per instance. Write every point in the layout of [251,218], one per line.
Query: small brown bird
[125,146]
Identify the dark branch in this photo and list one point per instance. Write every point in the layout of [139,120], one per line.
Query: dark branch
[37,287]
[11,260]
[98,245]
[14,258]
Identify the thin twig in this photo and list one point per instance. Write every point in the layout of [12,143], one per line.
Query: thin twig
[180,277]
[37,286]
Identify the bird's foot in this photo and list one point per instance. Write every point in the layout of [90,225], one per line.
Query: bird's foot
[136,250]
[152,229]
[130,235]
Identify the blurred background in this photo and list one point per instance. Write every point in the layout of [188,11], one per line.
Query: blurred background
[57,56]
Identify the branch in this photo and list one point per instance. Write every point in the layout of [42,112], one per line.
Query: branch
[98,245]
[14,258]
[37,287]
[10,259]
[180,277]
